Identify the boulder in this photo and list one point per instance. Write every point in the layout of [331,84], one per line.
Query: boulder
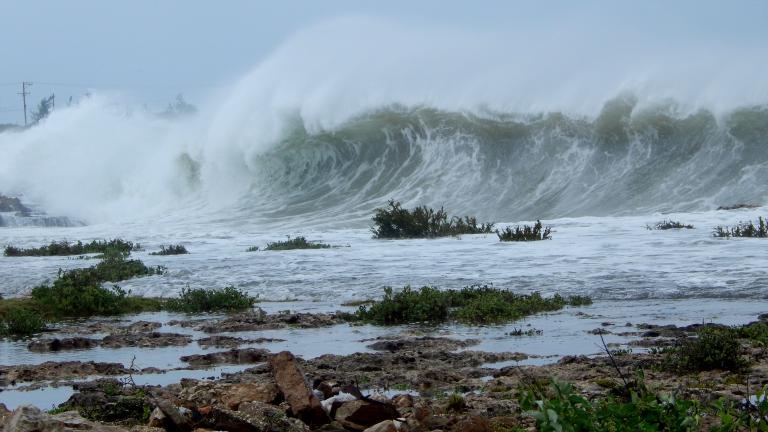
[251,392]
[175,421]
[31,419]
[235,356]
[296,391]
[473,424]
[385,426]
[252,417]
[361,414]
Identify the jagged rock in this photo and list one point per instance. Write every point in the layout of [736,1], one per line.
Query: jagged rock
[46,345]
[329,389]
[13,204]
[296,391]
[175,421]
[232,342]
[157,418]
[403,401]
[143,327]
[252,417]
[361,414]
[473,424]
[145,340]
[59,370]
[385,426]
[31,419]
[251,392]
[236,356]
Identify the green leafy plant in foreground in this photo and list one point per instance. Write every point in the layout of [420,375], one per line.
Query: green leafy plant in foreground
[473,304]
[422,222]
[294,243]
[212,300]
[525,233]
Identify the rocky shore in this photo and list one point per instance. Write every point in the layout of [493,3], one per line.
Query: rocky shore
[402,383]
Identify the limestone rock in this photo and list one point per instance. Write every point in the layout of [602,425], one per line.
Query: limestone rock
[297,392]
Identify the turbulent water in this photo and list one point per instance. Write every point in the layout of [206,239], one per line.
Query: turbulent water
[313,139]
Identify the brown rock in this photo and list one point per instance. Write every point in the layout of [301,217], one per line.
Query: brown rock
[361,414]
[385,426]
[235,356]
[252,392]
[297,392]
[329,389]
[175,421]
[473,424]
[252,417]
[157,418]
[403,401]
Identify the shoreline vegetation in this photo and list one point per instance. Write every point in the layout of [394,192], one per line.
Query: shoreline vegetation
[667,224]
[743,229]
[396,222]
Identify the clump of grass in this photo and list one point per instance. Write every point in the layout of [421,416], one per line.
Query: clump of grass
[743,229]
[422,222]
[295,243]
[20,322]
[252,249]
[669,224]
[171,250]
[456,403]
[211,300]
[525,233]
[473,305]
[79,292]
[712,348]
[63,248]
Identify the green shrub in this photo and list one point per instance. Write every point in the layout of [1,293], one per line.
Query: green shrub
[712,348]
[171,250]
[18,322]
[526,233]
[456,403]
[473,305]
[79,292]
[295,243]
[422,222]
[252,249]
[669,224]
[212,300]
[743,229]
[65,248]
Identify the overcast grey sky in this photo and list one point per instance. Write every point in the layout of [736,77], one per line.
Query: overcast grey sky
[156,49]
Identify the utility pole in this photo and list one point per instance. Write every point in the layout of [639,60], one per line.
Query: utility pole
[24,94]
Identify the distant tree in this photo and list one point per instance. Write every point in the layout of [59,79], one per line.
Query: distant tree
[179,108]
[43,109]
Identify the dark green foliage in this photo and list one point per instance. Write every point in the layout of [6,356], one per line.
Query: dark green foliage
[712,348]
[474,305]
[252,249]
[756,332]
[295,243]
[422,222]
[79,292]
[79,248]
[456,403]
[669,224]
[560,408]
[19,322]
[171,250]
[526,233]
[743,229]
[43,110]
[213,300]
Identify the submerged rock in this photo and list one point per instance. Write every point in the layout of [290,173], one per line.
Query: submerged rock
[235,356]
[64,344]
[145,340]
